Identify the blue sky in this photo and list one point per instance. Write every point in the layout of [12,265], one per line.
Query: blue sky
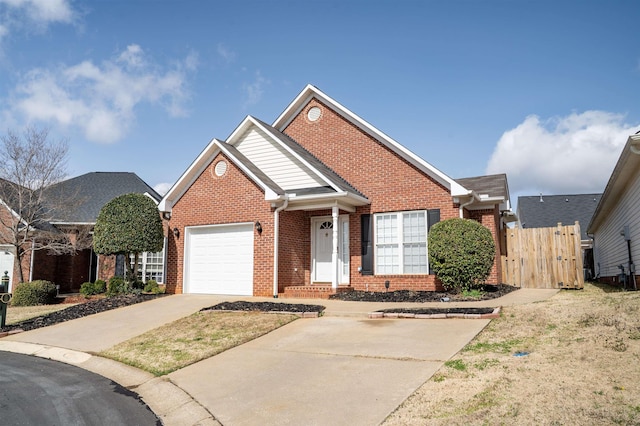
[544,91]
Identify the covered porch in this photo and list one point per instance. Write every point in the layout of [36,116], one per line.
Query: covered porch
[315,232]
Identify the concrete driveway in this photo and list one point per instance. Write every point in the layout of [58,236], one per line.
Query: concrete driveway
[326,371]
[342,368]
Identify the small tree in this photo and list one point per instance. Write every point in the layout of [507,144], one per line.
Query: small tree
[461,252]
[30,165]
[129,225]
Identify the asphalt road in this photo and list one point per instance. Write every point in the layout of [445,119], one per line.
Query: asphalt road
[37,391]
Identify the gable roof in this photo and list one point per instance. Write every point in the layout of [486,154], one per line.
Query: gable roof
[543,211]
[92,191]
[310,91]
[628,164]
[334,184]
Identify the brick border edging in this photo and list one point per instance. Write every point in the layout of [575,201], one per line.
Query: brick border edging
[8,333]
[299,314]
[378,315]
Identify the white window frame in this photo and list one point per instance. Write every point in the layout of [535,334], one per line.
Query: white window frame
[395,238]
[142,264]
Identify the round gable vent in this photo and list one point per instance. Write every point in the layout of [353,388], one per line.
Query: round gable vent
[314,113]
[221,168]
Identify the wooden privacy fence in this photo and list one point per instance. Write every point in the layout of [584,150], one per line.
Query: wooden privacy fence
[543,257]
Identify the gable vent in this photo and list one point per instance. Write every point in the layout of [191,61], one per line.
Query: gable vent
[314,113]
[221,168]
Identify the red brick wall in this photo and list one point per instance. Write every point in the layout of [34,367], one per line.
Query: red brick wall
[294,255]
[387,180]
[210,200]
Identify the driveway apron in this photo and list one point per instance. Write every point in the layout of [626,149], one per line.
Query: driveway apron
[331,370]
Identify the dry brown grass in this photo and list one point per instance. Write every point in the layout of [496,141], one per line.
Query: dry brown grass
[194,338]
[16,314]
[583,367]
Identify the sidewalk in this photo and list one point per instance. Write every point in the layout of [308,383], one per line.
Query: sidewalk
[362,369]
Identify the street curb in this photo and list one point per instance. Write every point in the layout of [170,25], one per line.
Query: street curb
[172,405]
[395,315]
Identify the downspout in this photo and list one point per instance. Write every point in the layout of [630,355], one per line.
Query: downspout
[275,245]
[33,251]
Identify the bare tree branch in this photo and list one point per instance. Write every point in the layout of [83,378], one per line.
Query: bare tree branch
[29,165]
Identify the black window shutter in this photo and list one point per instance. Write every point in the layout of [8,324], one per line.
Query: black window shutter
[366,244]
[433,217]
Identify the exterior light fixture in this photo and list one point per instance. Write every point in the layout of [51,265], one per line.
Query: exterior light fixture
[176,232]
[259,227]
[386,285]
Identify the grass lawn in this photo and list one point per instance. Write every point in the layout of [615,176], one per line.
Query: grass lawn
[17,314]
[579,364]
[194,338]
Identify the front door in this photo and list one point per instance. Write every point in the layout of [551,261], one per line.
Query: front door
[322,249]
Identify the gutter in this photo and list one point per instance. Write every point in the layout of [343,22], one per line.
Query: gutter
[275,245]
[474,196]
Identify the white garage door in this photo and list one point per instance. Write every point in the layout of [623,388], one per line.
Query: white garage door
[219,259]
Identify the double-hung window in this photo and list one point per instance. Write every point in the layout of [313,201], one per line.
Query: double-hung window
[401,243]
[150,266]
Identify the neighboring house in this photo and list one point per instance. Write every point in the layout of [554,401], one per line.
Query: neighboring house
[546,211]
[318,202]
[88,194]
[615,225]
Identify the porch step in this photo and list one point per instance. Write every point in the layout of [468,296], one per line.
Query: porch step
[312,291]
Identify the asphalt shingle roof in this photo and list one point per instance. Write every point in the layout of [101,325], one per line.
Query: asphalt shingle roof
[543,211]
[93,190]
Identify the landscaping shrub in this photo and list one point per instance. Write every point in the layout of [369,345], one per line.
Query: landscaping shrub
[117,285]
[152,287]
[461,253]
[100,286]
[90,289]
[33,293]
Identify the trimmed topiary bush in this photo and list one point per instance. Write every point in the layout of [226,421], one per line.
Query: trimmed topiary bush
[34,293]
[117,285]
[461,253]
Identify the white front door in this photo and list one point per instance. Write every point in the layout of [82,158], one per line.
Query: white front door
[322,249]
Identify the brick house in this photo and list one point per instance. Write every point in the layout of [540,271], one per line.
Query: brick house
[318,202]
[88,194]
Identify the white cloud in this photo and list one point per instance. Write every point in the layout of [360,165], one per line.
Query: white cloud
[30,15]
[225,53]
[253,91]
[162,187]
[101,98]
[561,155]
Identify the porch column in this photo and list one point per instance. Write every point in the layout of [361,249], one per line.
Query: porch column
[334,254]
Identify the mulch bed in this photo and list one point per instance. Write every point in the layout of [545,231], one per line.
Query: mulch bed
[265,307]
[433,311]
[81,310]
[94,306]
[489,292]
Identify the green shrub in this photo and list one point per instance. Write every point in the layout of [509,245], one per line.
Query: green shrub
[90,289]
[151,286]
[117,285]
[37,292]
[461,253]
[100,286]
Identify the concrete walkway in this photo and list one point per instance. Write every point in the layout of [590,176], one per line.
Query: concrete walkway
[342,368]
